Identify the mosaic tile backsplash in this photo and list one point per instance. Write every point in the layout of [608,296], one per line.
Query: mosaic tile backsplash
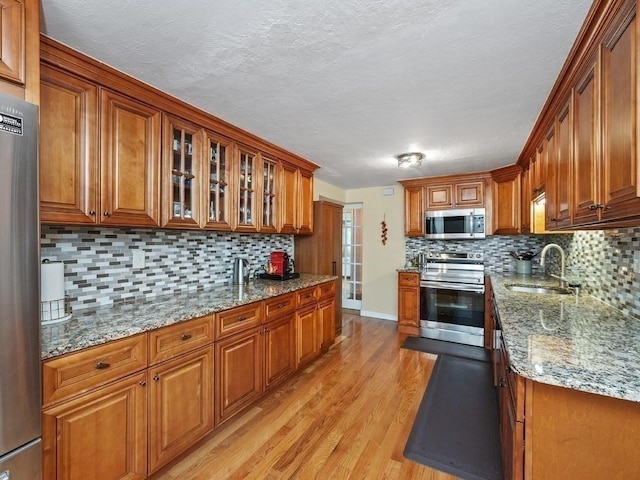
[98,262]
[601,259]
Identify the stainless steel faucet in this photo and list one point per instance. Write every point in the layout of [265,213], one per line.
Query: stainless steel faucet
[562,277]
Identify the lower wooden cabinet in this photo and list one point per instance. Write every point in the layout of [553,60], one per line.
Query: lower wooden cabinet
[279,350]
[327,314]
[180,401]
[239,368]
[308,335]
[409,303]
[101,435]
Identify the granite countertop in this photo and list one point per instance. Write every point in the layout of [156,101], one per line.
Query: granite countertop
[92,327]
[583,345]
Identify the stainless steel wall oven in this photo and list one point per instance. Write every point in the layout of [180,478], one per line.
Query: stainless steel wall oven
[452,297]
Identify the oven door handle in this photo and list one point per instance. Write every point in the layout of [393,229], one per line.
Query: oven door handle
[465,287]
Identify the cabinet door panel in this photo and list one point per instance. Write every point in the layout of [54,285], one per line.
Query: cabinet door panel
[12,34]
[619,97]
[469,194]
[181,399]
[308,336]
[218,171]
[414,211]
[68,148]
[290,200]
[409,306]
[586,161]
[239,366]
[305,216]
[280,360]
[564,185]
[129,161]
[269,199]
[439,196]
[327,313]
[101,435]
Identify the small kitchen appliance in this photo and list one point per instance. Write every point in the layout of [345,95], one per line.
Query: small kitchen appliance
[240,274]
[280,262]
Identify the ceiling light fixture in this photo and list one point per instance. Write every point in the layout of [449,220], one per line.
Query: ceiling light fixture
[413,159]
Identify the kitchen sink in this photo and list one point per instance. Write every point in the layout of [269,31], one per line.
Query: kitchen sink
[524,288]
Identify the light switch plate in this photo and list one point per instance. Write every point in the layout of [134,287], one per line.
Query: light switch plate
[138,259]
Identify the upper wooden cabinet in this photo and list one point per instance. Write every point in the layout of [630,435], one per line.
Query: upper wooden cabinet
[19,49]
[182,173]
[587,163]
[129,161]
[506,200]
[158,161]
[69,185]
[525,200]
[437,193]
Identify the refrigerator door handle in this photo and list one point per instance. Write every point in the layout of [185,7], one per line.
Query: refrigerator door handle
[334,266]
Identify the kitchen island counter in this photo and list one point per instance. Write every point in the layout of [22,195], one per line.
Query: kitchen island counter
[93,327]
[583,345]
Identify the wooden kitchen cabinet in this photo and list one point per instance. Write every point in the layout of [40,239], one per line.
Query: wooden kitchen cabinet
[279,350]
[129,161]
[409,303]
[239,367]
[525,200]
[100,435]
[180,405]
[414,208]
[182,173]
[218,168]
[269,198]
[305,219]
[460,194]
[327,314]
[321,253]
[621,193]
[69,166]
[245,202]
[308,335]
[506,200]
[563,164]
[19,49]
[291,201]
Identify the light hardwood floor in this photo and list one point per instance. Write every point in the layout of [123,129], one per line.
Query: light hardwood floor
[346,416]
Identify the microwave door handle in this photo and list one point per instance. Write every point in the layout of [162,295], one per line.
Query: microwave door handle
[471,224]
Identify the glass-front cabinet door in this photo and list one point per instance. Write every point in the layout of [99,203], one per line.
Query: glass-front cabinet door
[219,152]
[181,174]
[245,204]
[269,201]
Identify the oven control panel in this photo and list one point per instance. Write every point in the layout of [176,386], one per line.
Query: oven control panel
[468,256]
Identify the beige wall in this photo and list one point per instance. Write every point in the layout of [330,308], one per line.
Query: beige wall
[380,262]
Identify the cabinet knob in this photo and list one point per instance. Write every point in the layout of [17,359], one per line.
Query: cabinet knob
[242,318]
[502,383]
[143,383]
[102,365]
[92,213]
[280,305]
[185,336]
[106,214]
[156,377]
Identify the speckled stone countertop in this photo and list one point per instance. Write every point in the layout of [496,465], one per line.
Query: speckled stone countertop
[92,327]
[585,346]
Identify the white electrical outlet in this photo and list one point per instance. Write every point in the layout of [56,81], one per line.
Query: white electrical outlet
[636,261]
[138,259]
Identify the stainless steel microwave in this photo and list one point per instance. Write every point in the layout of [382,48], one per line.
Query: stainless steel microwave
[455,224]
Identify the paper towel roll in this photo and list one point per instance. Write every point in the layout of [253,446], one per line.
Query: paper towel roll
[51,281]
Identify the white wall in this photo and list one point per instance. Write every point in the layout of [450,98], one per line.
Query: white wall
[327,191]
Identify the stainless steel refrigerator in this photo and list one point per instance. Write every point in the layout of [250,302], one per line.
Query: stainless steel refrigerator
[20,392]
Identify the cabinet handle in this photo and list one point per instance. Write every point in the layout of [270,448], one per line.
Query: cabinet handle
[334,265]
[143,383]
[185,336]
[280,305]
[502,383]
[102,365]
[597,206]
[92,213]
[242,318]
[156,377]
[106,214]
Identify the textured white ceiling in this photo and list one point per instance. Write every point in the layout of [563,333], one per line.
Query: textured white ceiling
[345,83]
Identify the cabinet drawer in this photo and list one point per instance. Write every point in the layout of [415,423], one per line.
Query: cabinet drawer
[409,279]
[275,307]
[514,386]
[238,319]
[306,296]
[85,370]
[326,290]
[174,340]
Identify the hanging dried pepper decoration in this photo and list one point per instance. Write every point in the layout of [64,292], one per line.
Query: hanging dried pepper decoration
[383,224]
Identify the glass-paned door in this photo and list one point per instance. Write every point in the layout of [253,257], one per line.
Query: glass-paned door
[269,213]
[219,151]
[246,194]
[352,256]
[183,164]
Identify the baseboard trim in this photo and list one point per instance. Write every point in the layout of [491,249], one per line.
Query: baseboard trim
[381,316]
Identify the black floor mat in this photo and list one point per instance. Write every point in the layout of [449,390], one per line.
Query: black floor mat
[440,347]
[456,427]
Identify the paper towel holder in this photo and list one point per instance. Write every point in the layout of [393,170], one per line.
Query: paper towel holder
[58,309]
